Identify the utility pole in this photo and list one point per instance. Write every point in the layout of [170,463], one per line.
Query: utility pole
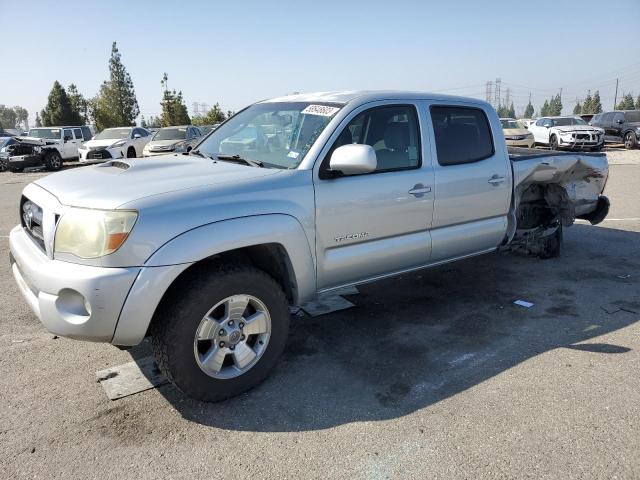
[615,99]
[488,93]
[497,98]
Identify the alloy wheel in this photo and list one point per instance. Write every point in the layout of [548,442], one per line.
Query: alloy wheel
[232,336]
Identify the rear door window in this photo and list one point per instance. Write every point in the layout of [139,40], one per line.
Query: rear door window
[78,133]
[462,134]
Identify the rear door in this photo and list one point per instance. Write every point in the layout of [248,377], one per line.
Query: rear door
[375,224]
[473,180]
[607,124]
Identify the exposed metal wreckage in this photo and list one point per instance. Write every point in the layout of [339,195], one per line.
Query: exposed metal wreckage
[550,192]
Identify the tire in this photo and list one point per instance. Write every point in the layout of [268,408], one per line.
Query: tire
[3,166]
[552,245]
[553,142]
[131,152]
[184,336]
[53,160]
[630,141]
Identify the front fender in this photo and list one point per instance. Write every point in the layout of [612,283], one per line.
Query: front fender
[175,256]
[214,238]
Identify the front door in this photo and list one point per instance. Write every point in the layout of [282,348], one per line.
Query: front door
[70,144]
[473,182]
[378,223]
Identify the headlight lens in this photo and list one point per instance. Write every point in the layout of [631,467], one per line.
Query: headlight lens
[93,233]
[119,143]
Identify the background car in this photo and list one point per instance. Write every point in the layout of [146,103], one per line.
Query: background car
[515,134]
[123,142]
[172,140]
[4,154]
[205,129]
[567,133]
[620,126]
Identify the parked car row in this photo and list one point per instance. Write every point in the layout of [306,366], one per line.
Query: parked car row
[50,146]
[575,132]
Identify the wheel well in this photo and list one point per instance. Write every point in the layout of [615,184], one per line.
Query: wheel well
[271,258]
[131,147]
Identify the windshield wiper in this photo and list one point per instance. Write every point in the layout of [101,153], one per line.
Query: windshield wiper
[239,159]
[198,153]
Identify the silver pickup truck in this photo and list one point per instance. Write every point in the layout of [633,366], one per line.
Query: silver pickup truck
[291,197]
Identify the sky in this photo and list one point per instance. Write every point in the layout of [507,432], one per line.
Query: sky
[236,53]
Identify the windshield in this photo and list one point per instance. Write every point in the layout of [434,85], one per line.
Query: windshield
[171,133]
[113,133]
[632,116]
[50,133]
[567,121]
[278,134]
[506,124]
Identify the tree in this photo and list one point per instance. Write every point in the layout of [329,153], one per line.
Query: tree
[587,106]
[528,112]
[544,111]
[143,122]
[38,121]
[78,103]
[596,106]
[511,111]
[577,110]
[626,103]
[555,105]
[58,110]
[638,103]
[214,115]
[116,104]
[154,122]
[7,117]
[174,110]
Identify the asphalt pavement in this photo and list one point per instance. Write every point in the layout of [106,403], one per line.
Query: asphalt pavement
[436,374]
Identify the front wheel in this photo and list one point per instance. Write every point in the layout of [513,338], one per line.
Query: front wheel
[53,160]
[553,142]
[630,141]
[222,332]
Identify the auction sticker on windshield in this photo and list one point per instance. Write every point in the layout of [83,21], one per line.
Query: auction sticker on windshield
[323,110]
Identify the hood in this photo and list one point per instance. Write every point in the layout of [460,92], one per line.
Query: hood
[578,128]
[106,142]
[515,131]
[634,124]
[114,183]
[37,141]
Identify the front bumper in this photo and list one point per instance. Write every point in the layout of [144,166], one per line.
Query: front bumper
[24,161]
[526,142]
[150,153]
[572,143]
[99,155]
[71,300]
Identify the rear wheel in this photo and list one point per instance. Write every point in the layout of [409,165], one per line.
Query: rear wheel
[553,142]
[53,160]
[222,333]
[630,140]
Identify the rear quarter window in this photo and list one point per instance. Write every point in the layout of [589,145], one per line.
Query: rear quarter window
[462,134]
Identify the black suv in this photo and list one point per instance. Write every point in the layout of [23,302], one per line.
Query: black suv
[619,126]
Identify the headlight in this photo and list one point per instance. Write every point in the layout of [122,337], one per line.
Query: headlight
[93,233]
[566,133]
[119,143]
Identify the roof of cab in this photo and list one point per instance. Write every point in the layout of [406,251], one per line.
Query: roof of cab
[364,96]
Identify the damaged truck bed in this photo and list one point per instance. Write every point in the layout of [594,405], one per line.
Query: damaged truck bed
[551,190]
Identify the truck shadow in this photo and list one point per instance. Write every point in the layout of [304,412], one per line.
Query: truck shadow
[420,338]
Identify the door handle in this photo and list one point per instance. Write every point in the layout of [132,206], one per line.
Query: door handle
[496,180]
[419,190]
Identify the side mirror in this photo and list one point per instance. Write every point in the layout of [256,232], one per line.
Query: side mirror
[353,159]
[547,125]
[137,135]
[619,122]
